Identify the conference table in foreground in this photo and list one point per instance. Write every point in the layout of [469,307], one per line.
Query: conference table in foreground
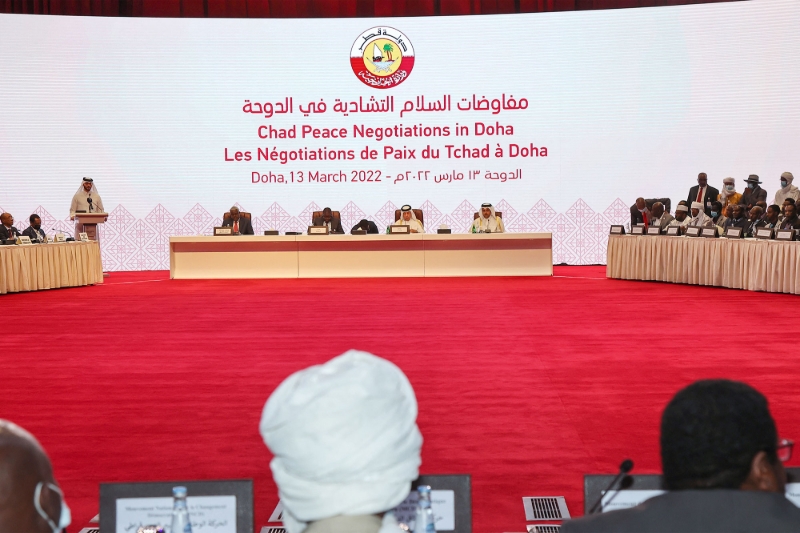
[751,264]
[361,256]
[49,266]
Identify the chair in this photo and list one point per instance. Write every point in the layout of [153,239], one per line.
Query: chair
[227,215]
[649,203]
[335,214]
[476,214]
[417,213]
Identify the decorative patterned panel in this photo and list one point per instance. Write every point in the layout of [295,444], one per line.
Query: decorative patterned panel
[580,234]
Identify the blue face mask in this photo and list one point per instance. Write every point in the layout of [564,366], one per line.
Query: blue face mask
[751,185]
[784,183]
[64,519]
[729,187]
[714,213]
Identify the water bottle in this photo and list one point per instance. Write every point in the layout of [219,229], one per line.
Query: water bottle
[180,513]
[424,521]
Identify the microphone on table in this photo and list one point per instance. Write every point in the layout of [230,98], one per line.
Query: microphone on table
[624,468]
[89,199]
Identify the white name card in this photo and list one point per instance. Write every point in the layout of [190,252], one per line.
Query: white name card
[654,230]
[793,493]
[84,237]
[673,230]
[784,235]
[617,230]
[733,232]
[318,230]
[764,233]
[637,230]
[223,230]
[443,503]
[693,231]
[625,499]
[60,237]
[208,514]
[399,229]
[709,232]
[25,240]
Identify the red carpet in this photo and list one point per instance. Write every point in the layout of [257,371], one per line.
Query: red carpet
[527,384]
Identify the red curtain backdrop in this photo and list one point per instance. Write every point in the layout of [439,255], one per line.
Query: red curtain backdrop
[313,8]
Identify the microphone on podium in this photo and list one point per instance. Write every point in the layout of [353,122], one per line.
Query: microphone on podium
[89,199]
[624,468]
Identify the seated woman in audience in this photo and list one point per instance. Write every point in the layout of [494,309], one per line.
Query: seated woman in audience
[408,218]
[346,445]
[487,221]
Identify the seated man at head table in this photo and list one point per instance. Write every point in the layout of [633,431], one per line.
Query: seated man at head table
[30,499]
[699,217]
[34,231]
[7,229]
[659,218]
[681,216]
[717,216]
[755,220]
[240,224]
[772,218]
[365,225]
[790,219]
[723,469]
[408,218]
[642,214]
[738,220]
[334,225]
[487,221]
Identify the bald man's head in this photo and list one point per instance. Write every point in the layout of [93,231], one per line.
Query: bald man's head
[23,465]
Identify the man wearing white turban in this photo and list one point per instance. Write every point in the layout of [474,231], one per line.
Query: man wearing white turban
[728,194]
[346,445]
[787,190]
[699,217]
[408,218]
[487,221]
[681,217]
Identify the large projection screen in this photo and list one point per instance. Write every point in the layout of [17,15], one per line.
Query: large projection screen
[595,109]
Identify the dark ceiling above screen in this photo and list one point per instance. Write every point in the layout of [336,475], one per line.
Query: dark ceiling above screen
[316,8]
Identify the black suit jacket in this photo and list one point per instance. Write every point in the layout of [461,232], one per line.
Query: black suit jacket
[710,196]
[637,218]
[336,224]
[245,226]
[698,511]
[5,233]
[751,196]
[371,227]
[741,223]
[33,234]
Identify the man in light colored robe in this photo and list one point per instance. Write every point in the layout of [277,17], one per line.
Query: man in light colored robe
[487,221]
[408,218]
[699,217]
[81,203]
[682,218]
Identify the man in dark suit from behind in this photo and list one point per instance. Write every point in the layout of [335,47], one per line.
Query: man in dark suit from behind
[722,467]
[366,225]
[7,229]
[641,215]
[703,193]
[327,219]
[34,231]
[241,225]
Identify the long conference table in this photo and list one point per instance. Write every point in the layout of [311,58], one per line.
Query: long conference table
[751,264]
[49,266]
[361,256]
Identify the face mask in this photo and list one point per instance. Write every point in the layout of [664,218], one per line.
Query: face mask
[729,187]
[751,185]
[64,519]
[714,213]
[36,226]
[784,183]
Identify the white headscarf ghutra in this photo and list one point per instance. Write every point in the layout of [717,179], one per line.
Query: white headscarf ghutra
[345,440]
[413,223]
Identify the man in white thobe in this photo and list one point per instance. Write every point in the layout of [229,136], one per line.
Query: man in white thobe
[487,221]
[699,217]
[86,200]
[408,218]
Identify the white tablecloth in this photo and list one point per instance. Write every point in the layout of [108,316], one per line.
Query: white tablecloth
[49,266]
[756,265]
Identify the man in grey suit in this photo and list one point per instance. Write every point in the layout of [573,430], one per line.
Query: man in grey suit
[658,217]
[722,465]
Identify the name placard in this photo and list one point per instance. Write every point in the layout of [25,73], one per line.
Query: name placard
[764,233]
[693,231]
[733,233]
[84,237]
[223,230]
[318,230]
[673,231]
[617,230]
[60,237]
[710,232]
[637,230]
[654,230]
[399,229]
[784,235]
[207,513]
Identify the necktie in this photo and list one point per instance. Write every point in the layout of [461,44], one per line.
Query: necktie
[644,218]
[236,226]
[699,194]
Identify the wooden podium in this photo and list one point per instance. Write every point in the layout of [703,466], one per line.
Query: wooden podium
[87,223]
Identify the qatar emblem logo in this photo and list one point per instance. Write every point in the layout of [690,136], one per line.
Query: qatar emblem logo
[382,57]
